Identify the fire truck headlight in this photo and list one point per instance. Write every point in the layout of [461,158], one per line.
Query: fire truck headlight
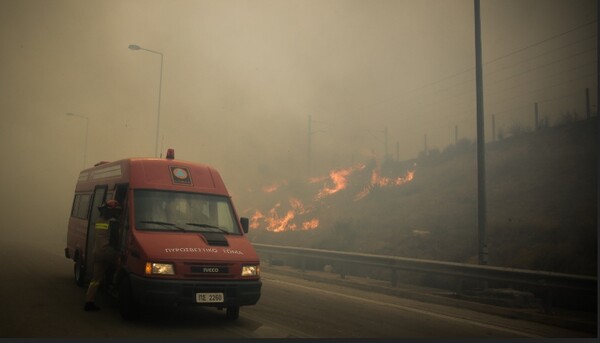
[159,269]
[253,270]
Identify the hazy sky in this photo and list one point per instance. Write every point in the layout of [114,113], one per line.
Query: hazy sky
[241,78]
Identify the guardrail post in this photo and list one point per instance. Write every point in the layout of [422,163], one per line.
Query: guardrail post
[459,286]
[548,302]
[342,270]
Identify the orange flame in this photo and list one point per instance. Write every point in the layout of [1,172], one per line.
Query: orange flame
[311,224]
[298,206]
[272,188]
[254,220]
[316,179]
[276,223]
[278,219]
[339,179]
[379,181]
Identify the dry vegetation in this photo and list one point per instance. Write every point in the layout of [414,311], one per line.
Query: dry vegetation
[542,206]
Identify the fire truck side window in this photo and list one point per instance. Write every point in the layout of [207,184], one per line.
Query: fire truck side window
[81,204]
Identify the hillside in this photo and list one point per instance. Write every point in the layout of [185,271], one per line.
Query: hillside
[541,204]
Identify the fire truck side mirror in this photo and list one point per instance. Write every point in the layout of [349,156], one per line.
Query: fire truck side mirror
[245,225]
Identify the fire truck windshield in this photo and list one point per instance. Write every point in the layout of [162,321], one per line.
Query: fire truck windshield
[180,211]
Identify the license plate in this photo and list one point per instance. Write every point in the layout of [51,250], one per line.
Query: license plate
[210,297]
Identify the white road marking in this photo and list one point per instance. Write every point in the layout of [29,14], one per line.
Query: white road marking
[410,309]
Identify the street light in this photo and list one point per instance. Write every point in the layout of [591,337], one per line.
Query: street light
[137,47]
[87,122]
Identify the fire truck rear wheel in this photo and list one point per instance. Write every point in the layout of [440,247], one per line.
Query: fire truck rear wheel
[127,305]
[79,272]
[233,312]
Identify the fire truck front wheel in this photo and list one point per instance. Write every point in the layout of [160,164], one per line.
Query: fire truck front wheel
[79,272]
[232,312]
[127,304]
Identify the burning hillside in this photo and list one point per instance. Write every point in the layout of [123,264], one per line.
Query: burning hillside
[431,213]
[300,206]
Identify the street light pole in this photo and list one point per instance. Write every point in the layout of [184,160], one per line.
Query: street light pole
[481,197]
[309,136]
[385,134]
[137,47]
[87,124]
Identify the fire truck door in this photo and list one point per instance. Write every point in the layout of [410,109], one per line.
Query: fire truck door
[99,196]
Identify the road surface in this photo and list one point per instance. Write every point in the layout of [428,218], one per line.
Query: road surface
[41,300]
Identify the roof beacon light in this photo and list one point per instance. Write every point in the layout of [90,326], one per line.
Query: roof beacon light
[170,154]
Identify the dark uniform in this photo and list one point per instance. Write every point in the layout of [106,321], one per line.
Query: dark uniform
[104,254]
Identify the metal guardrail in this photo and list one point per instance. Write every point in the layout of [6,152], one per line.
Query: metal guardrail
[545,280]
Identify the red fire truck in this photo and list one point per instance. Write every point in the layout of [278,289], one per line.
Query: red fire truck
[179,238]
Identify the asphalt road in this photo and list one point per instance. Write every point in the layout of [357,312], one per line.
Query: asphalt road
[41,300]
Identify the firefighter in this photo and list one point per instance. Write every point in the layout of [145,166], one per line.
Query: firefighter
[104,254]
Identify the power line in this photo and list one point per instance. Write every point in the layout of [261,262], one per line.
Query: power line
[486,64]
[569,71]
[542,41]
[542,54]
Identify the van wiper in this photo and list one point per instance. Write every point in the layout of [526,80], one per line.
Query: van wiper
[208,226]
[161,223]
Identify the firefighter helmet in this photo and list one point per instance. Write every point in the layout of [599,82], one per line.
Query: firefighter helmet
[111,204]
[110,209]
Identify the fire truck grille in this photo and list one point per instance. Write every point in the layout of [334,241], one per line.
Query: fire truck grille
[209,271]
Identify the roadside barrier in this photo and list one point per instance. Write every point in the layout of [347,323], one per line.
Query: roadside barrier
[548,282]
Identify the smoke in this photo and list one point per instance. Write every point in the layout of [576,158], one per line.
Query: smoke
[239,82]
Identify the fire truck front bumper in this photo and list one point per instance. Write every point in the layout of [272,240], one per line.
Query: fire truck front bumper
[212,293]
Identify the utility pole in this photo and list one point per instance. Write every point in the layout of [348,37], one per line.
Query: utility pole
[493,127]
[385,132]
[481,200]
[455,134]
[587,103]
[537,118]
[309,135]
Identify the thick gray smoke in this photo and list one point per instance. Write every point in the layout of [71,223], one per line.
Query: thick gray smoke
[241,78]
